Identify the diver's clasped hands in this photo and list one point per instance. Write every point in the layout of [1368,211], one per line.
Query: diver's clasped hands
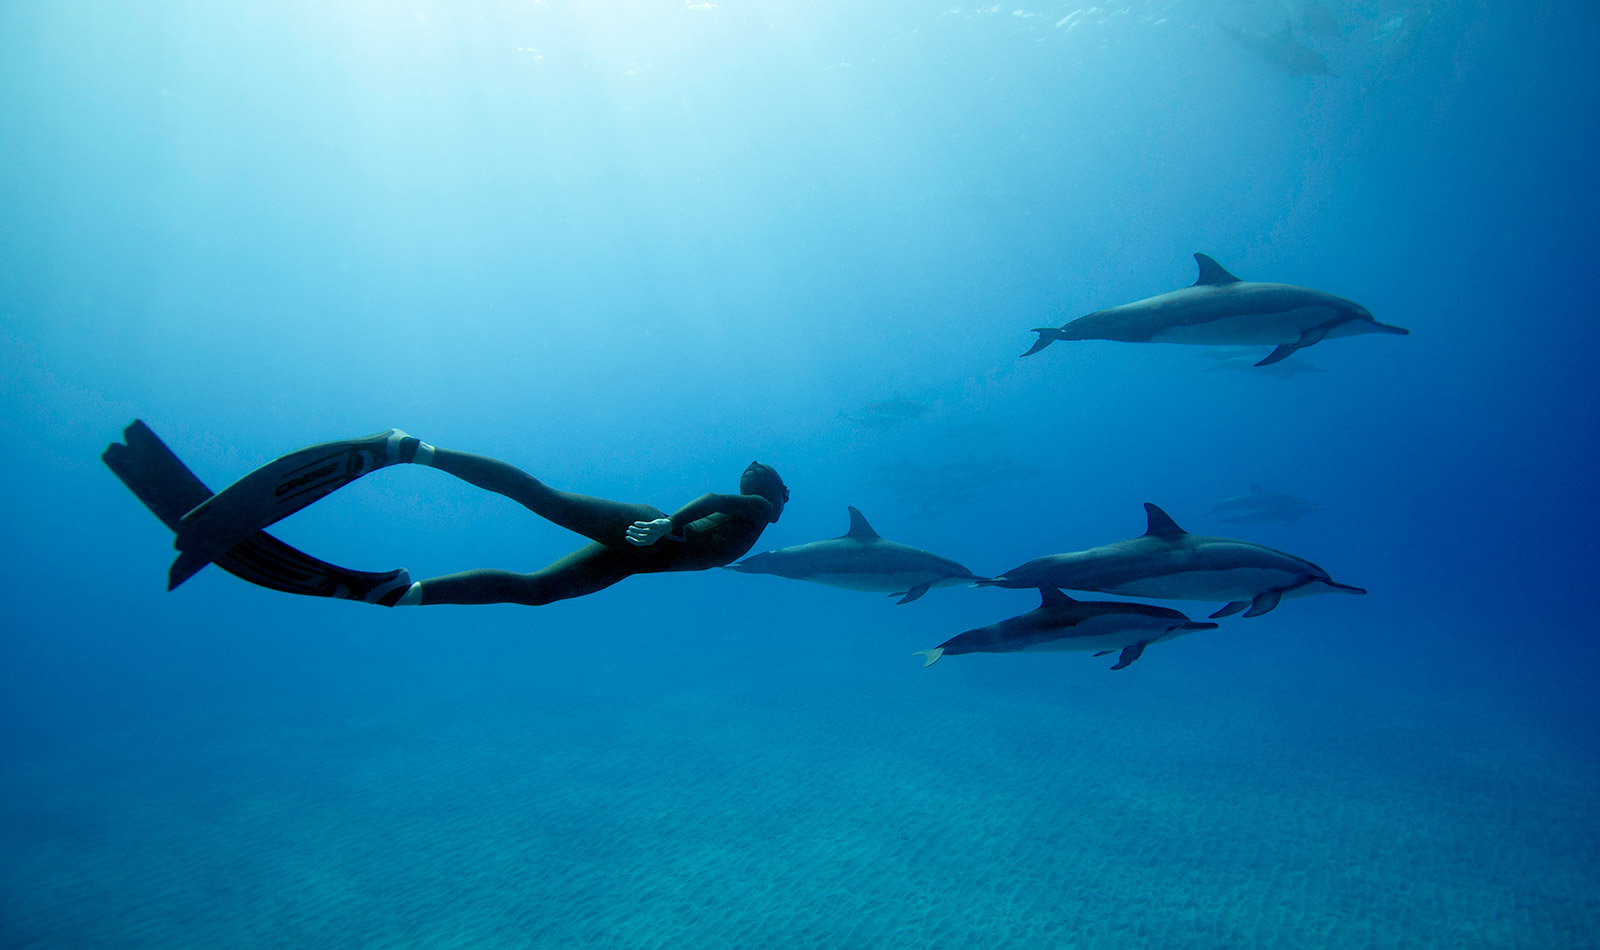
[645,533]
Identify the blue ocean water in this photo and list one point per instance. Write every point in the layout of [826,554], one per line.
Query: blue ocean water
[630,246]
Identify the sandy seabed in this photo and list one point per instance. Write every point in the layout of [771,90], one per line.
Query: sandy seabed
[926,810]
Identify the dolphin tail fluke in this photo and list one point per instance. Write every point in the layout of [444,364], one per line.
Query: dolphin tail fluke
[1047,336]
[907,596]
[929,657]
[1230,608]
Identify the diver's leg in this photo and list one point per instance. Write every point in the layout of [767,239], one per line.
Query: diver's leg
[598,519]
[591,568]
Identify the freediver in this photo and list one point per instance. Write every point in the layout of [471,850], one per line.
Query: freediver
[626,539]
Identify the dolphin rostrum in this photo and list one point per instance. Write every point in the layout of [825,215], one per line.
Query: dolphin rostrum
[1060,624]
[1219,309]
[860,560]
[1170,563]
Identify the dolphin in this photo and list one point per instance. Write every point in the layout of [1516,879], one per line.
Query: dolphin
[1219,309]
[1282,49]
[1261,506]
[1060,624]
[860,560]
[1170,563]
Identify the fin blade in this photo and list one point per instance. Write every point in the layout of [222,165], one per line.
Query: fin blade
[929,657]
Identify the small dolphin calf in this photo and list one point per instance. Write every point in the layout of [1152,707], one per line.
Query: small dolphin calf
[1060,624]
[1219,309]
[1261,506]
[860,560]
[1170,563]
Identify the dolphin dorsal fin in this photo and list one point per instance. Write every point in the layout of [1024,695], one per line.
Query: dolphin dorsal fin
[859,529]
[1212,274]
[1053,597]
[1161,524]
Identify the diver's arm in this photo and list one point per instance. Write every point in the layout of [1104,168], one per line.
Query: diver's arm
[750,507]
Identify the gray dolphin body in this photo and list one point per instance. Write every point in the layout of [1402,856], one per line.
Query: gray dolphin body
[1219,309]
[1169,563]
[1062,624]
[1261,507]
[860,560]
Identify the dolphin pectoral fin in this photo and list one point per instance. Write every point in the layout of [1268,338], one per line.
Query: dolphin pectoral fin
[907,596]
[1230,608]
[1264,602]
[1102,653]
[929,657]
[1310,336]
[1047,336]
[1129,654]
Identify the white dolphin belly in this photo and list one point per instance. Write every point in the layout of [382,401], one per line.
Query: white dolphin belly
[1109,632]
[1241,583]
[883,583]
[1263,329]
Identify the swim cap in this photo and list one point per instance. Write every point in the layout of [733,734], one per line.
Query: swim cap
[763,480]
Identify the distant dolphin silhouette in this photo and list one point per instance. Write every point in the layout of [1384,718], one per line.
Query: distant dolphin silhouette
[1219,309]
[1170,563]
[1060,624]
[1260,506]
[860,560]
[1282,49]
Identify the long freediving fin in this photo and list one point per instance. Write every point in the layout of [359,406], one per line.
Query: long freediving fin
[166,486]
[276,490]
[929,657]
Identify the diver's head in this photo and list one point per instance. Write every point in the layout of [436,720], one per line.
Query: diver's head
[763,480]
